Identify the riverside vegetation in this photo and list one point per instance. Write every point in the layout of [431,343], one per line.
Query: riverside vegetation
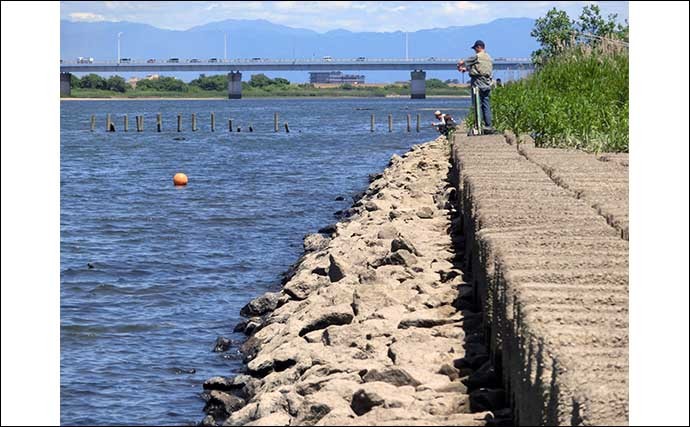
[259,85]
[578,96]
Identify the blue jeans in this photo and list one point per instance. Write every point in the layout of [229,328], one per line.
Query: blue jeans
[485,103]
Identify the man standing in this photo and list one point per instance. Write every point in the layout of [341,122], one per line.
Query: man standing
[480,67]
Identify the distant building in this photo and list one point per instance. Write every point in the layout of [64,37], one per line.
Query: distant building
[133,82]
[152,77]
[335,77]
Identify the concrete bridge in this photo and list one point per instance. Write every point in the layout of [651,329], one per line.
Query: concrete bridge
[234,68]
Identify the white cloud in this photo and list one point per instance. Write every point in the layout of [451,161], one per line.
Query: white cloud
[467,5]
[323,16]
[86,17]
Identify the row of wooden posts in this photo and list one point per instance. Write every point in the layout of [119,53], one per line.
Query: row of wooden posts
[110,126]
[390,122]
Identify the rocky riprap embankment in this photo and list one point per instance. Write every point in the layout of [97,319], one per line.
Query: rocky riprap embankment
[374,324]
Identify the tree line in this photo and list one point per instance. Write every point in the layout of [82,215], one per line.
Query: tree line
[215,83]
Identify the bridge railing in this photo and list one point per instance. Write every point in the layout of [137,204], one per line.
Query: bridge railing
[248,61]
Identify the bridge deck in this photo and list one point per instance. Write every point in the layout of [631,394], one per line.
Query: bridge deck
[286,65]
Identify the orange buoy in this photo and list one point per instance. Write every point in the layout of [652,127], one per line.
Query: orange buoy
[180,179]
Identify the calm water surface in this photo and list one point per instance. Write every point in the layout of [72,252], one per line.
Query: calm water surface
[152,274]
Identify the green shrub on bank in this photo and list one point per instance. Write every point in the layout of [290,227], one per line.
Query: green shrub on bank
[578,99]
[578,96]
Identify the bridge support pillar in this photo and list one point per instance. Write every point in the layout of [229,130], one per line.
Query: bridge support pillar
[65,84]
[418,84]
[234,85]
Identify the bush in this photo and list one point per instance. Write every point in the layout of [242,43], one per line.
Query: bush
[116,83]
[436,84]
[214,83]
[578,99]
[163,84]
[92,81]
[260,80]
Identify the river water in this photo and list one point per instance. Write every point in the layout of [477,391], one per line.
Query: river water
[152,274]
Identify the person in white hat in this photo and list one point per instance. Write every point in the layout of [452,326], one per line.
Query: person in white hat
[440,118]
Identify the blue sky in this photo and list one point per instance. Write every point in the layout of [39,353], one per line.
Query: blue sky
[324,16]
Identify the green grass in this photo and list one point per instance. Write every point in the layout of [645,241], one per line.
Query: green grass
[577,100]
[270,91]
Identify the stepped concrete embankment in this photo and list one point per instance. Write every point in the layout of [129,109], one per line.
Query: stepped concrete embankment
[546,239]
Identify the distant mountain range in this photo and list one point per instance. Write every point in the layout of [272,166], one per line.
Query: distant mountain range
[507,37]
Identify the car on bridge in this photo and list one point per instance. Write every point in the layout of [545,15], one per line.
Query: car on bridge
[151,61]
[173,60]
[327,58]
[361,58]
[213,60]
[125,60]
[194,61]
[256,59]
[84,60]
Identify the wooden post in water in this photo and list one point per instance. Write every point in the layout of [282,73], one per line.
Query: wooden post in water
[141,120]
[287,129]
[179,122]
[107,122]
[93,122]
[372,122]
[229,125]
[251,128]
[275,122]
[390,123]
[126,123]
[193,122]
[138,123]
[417,122]
[213,122]
[408,122]
[159,122]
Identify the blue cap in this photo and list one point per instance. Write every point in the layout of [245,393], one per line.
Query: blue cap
[478,43]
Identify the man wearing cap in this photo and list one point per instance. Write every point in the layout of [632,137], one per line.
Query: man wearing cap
[480,67]
[440,118]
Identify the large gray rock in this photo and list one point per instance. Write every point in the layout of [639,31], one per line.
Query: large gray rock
[395,376]
[400,257]
[315,242]
[363,401]
[301,288]
[220,404]
[425,212]
[401,242]
[387,232]
[220,384]
[336,271]
[222,344]
[327,316]
[261,305]
[371,206]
